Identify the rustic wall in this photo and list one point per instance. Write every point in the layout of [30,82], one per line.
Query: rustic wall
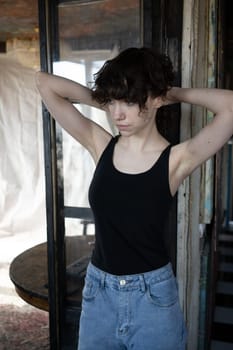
[196,193]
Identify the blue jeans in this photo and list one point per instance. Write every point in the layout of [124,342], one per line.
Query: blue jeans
[133,312]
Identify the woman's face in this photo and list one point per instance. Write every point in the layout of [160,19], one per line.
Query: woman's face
[128,118]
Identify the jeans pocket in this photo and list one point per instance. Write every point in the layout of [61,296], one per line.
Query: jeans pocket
[91,289]
[163,293]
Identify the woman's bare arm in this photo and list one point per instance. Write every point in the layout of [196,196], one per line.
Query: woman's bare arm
[59,94]
[193,152]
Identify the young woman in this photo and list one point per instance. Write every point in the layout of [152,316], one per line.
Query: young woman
[130,298]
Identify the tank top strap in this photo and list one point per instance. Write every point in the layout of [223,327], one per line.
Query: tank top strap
[163,159]
[167,149]
[108,151]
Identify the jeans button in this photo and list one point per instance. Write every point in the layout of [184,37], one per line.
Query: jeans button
[122,282]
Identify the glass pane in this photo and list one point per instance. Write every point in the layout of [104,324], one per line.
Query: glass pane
[90,32]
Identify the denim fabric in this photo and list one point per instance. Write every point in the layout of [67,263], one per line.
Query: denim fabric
[137,312]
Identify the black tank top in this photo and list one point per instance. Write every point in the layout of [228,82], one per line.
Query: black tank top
[130,211]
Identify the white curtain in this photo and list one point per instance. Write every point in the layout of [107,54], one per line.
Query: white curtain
[22,192]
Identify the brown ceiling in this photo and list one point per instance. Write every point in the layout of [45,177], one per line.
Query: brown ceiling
[19,18]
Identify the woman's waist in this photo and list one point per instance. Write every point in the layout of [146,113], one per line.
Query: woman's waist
[130,281]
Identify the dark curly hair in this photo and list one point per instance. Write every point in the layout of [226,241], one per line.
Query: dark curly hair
[132,76]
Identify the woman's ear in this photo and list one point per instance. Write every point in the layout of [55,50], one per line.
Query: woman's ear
[158,102]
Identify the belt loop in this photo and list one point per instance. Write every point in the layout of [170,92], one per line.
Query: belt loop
[142,283]
[102,281]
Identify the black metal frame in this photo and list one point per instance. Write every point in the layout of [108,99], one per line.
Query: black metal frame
[54,193]
[159,31]
[59,313]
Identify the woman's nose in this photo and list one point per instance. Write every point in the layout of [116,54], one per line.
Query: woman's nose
[118,113]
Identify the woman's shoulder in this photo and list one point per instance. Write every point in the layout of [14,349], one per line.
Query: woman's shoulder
[104,144]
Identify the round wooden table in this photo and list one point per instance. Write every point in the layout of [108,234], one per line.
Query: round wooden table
[28,271]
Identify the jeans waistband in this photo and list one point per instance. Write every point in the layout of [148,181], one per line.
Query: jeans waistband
[130,282]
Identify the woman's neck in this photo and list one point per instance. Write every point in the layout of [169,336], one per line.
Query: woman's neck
[148,139]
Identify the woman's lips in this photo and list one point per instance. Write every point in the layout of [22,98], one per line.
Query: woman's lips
[120,126]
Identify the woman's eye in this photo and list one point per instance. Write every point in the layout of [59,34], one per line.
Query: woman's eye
[130,104]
